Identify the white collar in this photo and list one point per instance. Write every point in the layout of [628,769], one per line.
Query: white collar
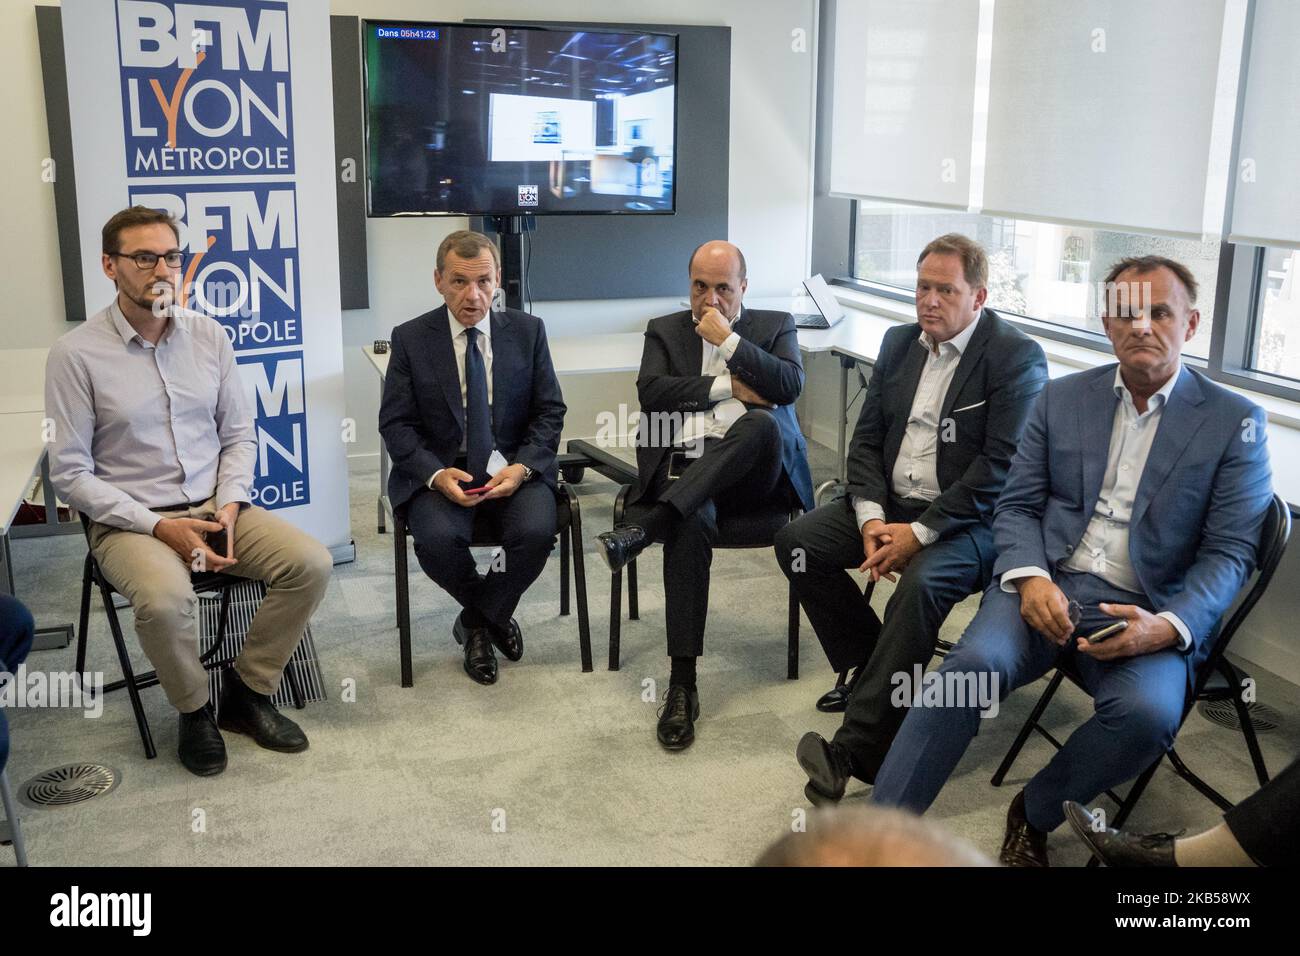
[484,325]
[958,341]
[1163,393]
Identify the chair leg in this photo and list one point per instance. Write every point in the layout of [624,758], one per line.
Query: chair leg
[1030,723]
[1205,790]
[580,587]
[83,618]
[564,571]
[615,616]
[128,675]
[295,686]
[633,598]
[403,601]
[792,652]
[1252,741]
[1135,793]
[11,815]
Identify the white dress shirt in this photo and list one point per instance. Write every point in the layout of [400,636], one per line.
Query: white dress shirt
[1104,548]
[715,422]
[916,469]
[460,345]
[460,342]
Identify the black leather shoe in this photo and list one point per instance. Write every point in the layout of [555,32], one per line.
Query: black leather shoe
[621,545]
[1121,849]
[836,700]
[202,751]
[480,660]
[1023,845]
[828,767]
[245,711]
[509,641]
[677,717]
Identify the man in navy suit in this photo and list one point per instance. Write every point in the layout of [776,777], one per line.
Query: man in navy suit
[717,385]
[943,412]
[1137,495]
[471,417]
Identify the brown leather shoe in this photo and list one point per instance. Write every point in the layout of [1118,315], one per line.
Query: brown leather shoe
[1022,845]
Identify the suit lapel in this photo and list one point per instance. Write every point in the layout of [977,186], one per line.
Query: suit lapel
[1096,416]
[1180,420]
[504,367]
[444,363]
[692,347]
[969,359]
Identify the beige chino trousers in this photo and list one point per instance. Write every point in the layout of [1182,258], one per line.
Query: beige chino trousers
[156,580]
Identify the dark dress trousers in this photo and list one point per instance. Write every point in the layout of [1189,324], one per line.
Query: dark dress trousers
[762,461]
[422,423]
[983,411]
[1265,823]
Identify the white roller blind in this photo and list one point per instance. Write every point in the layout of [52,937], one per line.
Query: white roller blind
[1101,112]
[903,96]
[1266,198]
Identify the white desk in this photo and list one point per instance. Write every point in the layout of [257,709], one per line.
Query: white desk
[571,355]
[22,380]
[22,438]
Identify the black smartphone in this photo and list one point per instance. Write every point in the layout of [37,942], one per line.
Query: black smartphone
[677,462]
[1104,633]
[217,541]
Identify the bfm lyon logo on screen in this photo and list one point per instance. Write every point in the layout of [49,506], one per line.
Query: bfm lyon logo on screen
[241,257]
[273,386]
[205,87]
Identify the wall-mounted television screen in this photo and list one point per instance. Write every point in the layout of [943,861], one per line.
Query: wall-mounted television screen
[500,120]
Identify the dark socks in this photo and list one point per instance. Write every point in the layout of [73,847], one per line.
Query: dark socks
[473,617]
[683,672]
[661,517]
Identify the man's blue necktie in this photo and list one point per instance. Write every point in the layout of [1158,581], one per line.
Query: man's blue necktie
[478,413]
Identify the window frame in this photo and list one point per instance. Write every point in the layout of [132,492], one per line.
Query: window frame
[1238,315]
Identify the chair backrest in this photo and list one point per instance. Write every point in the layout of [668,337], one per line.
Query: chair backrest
[1273,538]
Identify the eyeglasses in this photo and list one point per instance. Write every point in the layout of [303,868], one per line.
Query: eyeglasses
[1074,612]
[149,260]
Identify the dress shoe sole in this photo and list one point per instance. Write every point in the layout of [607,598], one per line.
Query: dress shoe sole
[278,748]
[812,757]
[1082,829]
[205,771]
[833,705]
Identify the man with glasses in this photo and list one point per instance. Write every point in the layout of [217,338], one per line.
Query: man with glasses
[153,441]
[1133,509]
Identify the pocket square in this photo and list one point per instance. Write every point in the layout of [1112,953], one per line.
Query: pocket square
[967,408]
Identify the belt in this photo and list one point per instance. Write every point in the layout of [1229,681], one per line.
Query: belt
[183,506]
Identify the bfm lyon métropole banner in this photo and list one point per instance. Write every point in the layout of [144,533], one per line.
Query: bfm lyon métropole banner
[220,112]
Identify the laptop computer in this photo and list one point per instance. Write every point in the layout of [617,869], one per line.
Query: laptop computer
[829,311]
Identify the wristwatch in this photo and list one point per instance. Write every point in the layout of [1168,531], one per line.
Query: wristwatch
[528,472]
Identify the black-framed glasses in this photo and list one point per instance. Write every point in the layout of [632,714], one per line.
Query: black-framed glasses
[149,260]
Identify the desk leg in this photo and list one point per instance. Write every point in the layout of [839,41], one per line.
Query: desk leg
[383,467]
[47,638]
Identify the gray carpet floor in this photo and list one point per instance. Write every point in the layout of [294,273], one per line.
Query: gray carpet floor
[548,767]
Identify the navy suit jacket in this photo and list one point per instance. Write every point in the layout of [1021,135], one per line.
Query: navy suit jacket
[1000,373]
[1200,502]
[767,360]
[422,420]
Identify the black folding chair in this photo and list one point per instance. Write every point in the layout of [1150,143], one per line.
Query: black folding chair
[1216,680]
[744,529]
[205,582]
[568,527]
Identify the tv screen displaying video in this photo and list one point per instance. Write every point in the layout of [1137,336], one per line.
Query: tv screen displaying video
[497,120]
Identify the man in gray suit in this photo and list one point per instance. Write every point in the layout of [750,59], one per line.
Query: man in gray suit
[1136,498]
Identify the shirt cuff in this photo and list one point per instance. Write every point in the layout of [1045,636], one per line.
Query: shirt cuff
[434,478]
[866,511]
[144,521]
[232,496]
[729,346]
[720,390]
[927,536]
[1184,635]
[1016,573]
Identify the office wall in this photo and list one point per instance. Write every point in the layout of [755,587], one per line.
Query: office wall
[770,184]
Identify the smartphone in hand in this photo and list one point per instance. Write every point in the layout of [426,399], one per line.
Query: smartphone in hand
[475,491]
[1107,632]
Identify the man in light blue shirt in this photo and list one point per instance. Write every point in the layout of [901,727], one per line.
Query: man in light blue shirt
[1136,496]
[154,443]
